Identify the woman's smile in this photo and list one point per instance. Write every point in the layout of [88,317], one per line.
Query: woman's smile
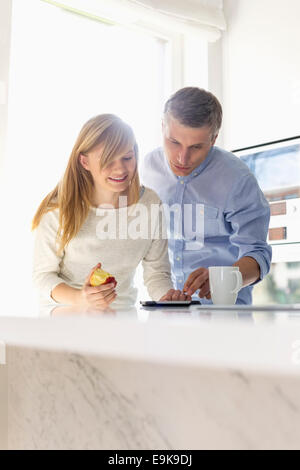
[118,180]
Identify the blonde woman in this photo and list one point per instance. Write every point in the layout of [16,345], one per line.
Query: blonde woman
[70,226]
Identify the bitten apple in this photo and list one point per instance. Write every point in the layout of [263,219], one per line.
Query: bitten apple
[100,277]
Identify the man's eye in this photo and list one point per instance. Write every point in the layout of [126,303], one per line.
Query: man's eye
[197,147]
[128,158]
[174,142]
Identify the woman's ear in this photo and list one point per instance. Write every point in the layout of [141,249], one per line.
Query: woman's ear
[84,161]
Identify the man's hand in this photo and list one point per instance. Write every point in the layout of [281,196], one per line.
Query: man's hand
[175,295]
[198,280]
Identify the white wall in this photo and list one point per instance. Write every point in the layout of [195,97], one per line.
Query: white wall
[261,71]
[5,26]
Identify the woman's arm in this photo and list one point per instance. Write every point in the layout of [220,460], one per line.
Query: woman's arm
[46,261]
[86,297]
[46,268]
[156,264]
[65,294]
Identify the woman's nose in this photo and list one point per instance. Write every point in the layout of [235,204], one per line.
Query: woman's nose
[118,166]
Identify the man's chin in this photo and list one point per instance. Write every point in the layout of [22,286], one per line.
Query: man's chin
[181,171]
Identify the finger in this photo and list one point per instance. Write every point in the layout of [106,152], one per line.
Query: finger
[205,290]
[197,284]
[205,287]
[107,300]
[176,296]
[192,278]
[168,296]
[108,293]
[204,295]
[91,290]
[183,297]
[187,297]
[104,287]
[103,295]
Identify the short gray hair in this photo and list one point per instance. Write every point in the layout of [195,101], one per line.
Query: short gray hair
[195,107]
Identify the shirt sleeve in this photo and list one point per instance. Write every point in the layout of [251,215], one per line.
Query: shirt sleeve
[248,213]
[156,264]
[46,262]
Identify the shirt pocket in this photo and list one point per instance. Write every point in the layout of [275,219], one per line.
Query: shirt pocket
[211,222]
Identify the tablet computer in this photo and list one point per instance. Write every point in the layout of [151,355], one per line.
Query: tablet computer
[167,303]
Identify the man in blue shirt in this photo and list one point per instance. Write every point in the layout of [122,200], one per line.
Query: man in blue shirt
[214,191]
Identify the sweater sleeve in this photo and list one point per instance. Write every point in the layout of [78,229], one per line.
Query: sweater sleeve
[46,262]
[156,264]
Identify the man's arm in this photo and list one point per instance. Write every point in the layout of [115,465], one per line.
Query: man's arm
[249,269]
[199,279]
[248,214]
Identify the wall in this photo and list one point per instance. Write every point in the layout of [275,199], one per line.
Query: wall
[261,71]
[5,24]
[215,78]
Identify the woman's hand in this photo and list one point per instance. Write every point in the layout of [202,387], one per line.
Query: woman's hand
[198,280]
[175,295]
[95,297]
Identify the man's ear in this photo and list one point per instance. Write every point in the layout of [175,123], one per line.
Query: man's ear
[84,161]
[214,139]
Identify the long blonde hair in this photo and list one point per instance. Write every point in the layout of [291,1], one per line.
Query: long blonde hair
[73,194]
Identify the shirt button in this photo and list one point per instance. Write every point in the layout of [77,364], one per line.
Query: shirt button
[178,259]
[181,182]
[180,281]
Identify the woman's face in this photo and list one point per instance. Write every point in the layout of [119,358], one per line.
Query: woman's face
[117,176]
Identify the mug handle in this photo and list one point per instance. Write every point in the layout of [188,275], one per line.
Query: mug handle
[239,282]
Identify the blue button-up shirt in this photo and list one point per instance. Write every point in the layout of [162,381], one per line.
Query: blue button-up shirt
[235,215]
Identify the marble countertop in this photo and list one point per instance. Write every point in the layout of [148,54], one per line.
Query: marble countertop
[261,340]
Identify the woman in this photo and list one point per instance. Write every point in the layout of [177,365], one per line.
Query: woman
[100,185]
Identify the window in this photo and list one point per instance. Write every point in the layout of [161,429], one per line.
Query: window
[281,286]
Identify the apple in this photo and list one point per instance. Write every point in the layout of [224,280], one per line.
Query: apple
[99,277]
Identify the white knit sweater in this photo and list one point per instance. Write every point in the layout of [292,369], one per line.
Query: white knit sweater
[120,257]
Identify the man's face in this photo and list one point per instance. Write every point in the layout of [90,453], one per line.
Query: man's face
[185,147]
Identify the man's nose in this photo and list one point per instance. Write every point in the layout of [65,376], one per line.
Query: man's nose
[183,157]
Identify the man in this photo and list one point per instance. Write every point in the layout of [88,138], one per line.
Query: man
[190,169]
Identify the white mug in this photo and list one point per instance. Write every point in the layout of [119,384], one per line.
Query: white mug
[225,283]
